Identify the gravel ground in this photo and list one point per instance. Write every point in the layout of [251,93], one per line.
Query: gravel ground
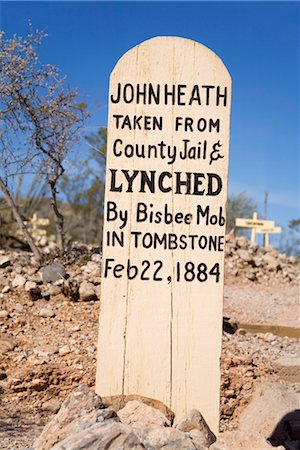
[276,304]
[50,356]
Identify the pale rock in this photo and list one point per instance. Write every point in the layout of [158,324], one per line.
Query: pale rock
[65,350]
[6,289]
[164,438]
[4,314]
[98,291]
[228,250]
[251,276]
[258,261]
[108,436]
[87,291]
[46,312]
[198,439]
[18,281]
[47,349]
[52,272]
[242,242]
[3,281]
[31,271]
[268,337]
[244,255]
[117,402]
[18,269]
[195,421]
[253,246]
[36,277]
[45,296]
[237,440]
[270,402]
[7,343]
[231,236]
[4,262]
[271,262]
[53,290]
[19,308]
[51,405]
[38,384]
[30,285]
[138,415]
[92,268]
[43,241]
[96,257]
[95,280]
[73,417]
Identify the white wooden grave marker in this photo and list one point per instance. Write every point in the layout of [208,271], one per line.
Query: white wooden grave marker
[163,253]
[258,226]
[35,223]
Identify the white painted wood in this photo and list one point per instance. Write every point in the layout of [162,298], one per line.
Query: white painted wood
[262,230]
[254,222]
[162,339]
[258,226]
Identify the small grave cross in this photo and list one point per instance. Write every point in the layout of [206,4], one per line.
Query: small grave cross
[258,226]
[35,223]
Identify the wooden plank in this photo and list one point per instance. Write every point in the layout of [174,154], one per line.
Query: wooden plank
[267,230]
[160,332]
[250,223]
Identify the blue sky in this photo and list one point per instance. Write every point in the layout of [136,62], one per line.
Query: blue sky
[257,41]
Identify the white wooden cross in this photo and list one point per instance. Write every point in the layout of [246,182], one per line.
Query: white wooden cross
[34,224]
[258,226]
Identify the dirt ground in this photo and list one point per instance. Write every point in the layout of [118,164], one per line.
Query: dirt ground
[52,355]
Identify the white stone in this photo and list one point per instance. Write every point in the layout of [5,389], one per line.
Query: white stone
[6,289]
[165,439]
[108,436]
[7,343]
[30,285]
[87,291]
[51,405]
[92,268]
[139,415]
[96,257]
[65,350]
[18,281]
[4,314]
[53,290]
[46,312]
[195,424]
[19,307]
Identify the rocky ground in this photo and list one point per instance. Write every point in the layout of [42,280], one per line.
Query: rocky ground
[49,320]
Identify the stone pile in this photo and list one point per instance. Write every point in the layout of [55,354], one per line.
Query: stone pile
[48,335]
[77,275]
[248,260]
[86,421]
